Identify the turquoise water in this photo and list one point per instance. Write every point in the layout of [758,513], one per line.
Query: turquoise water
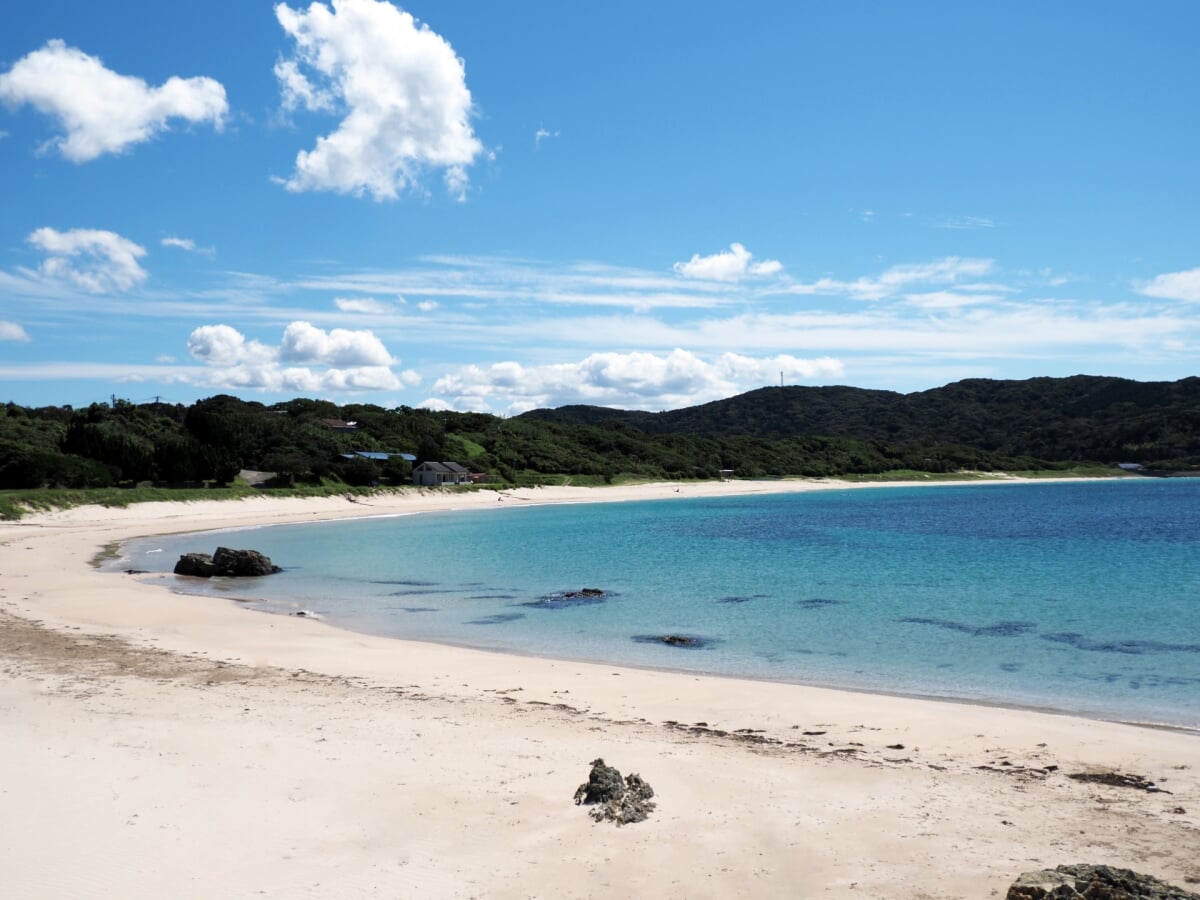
[1083,596]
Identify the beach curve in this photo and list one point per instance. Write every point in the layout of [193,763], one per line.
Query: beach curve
[164,731]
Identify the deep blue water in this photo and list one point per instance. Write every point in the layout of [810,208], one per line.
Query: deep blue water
[1082,596]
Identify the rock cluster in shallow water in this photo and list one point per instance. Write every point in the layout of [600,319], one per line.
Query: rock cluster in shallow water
[226,562]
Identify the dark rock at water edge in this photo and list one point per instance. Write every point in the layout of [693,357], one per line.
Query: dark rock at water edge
[1092,882]
[226,562]
[617,799]
[197,565]
[244,563]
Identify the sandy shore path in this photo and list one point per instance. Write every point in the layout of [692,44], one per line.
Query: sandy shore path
[165,745]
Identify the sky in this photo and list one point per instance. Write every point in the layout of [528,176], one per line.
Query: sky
[502,206]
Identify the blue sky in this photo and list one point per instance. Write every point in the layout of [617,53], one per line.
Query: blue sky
[494,206]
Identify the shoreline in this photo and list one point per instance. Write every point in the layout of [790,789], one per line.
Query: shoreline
[248,605]
[665,491]
[815,790]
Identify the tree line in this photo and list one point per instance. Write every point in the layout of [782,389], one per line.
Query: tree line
[214,439]
[975,424]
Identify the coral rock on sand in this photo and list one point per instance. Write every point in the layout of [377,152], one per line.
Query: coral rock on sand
[620,800]
[1087,882]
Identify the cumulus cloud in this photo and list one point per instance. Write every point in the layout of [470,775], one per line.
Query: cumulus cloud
[427,305]
[101,110]
[542,134]
[337,360]
[97,261]
[729,265]
[305,343]
[950,270]
[638,380]
[221,345]
[402,89]
[298,92]
[11,331]
[1174,286]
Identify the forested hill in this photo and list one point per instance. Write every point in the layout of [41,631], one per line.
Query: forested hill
[1044,423]
[1081,417]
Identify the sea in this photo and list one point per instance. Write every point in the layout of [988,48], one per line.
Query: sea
[1081,596]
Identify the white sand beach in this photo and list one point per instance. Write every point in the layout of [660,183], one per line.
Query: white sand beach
[161,745]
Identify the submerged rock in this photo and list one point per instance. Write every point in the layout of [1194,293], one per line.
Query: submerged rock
[687,641]
[620,800]
[1085,882]
[563,599]
[226,562]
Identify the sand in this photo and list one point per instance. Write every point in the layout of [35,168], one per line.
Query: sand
[155,745]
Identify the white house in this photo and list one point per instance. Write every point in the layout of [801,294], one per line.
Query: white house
[432,474]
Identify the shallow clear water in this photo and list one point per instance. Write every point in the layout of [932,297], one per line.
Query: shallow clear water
[1083,597]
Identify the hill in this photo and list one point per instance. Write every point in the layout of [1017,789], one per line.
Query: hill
[1041,423]
[1066,419]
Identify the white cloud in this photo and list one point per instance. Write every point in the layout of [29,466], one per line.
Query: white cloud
[298,92]
[965,223]
[427,305]
[1174,286]
[221,345]
[949,270]
[188,245]
[364,305]
[636,380]
[102,111]
[541,134]
[11,331]
[305,343]
[496,280]
[337,360]
[950,300]
[729,265]
[97,261]
[403,89]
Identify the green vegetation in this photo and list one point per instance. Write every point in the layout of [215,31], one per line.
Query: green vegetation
[1079,419]
[127,453]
